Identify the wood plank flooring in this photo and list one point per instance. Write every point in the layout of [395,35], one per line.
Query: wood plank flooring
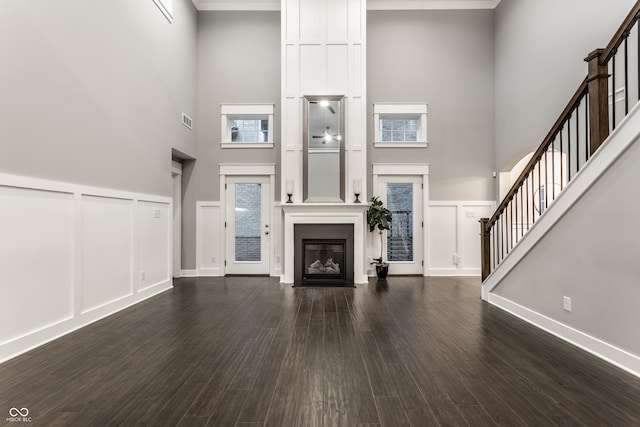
[251,352]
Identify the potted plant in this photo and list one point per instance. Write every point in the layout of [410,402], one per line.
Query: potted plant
[379,217]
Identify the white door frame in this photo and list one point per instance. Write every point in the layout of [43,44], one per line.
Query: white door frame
[407,169]
[176,175]
[241,169]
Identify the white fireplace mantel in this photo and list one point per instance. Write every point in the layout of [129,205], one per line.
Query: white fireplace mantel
[325,213]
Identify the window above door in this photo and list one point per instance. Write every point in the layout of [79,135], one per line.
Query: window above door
[400,125]
[246,125]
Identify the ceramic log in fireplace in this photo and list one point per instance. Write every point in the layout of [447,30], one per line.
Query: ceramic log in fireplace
[323,261]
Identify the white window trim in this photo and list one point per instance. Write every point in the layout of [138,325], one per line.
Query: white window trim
[250,111]
[404,109]
[166,7]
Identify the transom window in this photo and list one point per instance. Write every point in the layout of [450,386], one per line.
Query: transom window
[405,130]
[249,130]
[400,125]
[247,125]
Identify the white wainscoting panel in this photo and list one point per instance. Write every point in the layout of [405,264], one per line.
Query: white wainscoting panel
[154,244]
[107,250]
[310,20]
[337,73]
[338,24]
[454,237]
[311,68]
[36,260]
[443,237]
[69,255]
[469,249]
[209,239]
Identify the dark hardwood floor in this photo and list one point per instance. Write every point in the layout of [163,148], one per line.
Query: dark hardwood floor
[250,352]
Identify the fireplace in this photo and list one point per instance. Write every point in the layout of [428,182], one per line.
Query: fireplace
[323,261]
[323,255]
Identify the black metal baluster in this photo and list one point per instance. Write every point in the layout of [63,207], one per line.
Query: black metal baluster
[502,239]
[546,181]
[586,126]
[526,191]
[510,224]
[613,88]
[553,168]
[578,137]
[515,196]
[626,72]
[569,148]
[561,163]
[638,46]
[494,229]
[522,208]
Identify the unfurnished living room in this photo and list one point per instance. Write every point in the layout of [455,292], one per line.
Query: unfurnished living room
[319,212]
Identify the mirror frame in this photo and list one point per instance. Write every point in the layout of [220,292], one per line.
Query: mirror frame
[307,99]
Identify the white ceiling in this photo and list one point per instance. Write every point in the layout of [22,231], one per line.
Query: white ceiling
[248,5]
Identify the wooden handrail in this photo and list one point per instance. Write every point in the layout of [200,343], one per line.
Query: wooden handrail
[621,34]
[537,155]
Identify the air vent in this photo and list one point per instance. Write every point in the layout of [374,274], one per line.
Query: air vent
[186,120]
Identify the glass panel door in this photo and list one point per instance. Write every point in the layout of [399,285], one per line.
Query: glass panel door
[400,234]
[248,214]
[247,225]
[402,195]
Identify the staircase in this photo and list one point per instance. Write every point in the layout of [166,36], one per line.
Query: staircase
[562,250]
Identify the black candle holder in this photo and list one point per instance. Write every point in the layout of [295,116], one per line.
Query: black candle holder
[357,200]
[289,196]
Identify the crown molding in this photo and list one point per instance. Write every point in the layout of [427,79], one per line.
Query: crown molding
[431,4]
[237,5]
[274,5]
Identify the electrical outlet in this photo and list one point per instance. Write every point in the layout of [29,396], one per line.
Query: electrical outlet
[566,304]
[142,276]
[213,260]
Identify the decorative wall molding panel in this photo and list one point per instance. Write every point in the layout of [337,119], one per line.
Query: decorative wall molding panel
[323,53]
[74,254]
[209,239]
[454,237]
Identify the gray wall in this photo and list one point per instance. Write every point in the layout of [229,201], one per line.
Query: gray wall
[444,58]
[92,92]
[238,61]
[539,48]
[590,255]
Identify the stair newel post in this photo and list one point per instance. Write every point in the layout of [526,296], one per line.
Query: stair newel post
[485,243]
[598,87]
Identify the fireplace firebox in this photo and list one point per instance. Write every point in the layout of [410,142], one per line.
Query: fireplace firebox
[323,255]
[323,261]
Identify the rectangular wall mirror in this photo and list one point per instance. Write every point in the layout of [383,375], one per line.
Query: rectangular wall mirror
[323,158]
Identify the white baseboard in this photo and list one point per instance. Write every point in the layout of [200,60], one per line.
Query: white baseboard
[27,342]
[188,273]
[453,272]
[605,351]
[209,272]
